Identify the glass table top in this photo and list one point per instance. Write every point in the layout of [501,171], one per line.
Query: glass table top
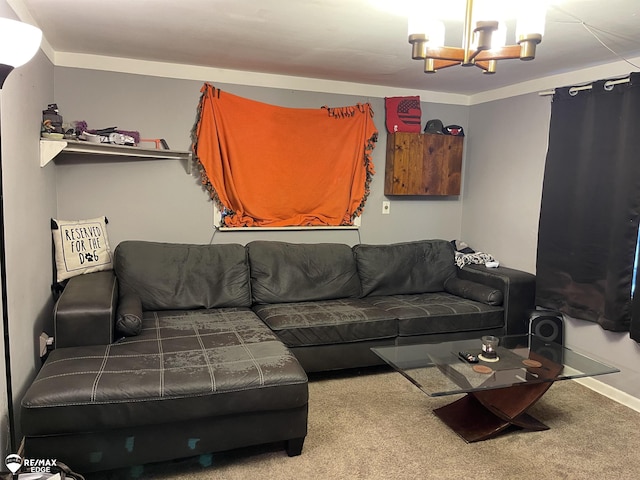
[437,369]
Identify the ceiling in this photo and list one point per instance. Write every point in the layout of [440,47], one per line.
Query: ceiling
[344,40]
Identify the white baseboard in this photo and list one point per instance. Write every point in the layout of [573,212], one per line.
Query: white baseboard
[611,392]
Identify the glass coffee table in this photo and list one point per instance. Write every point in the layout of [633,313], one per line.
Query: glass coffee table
[498,392]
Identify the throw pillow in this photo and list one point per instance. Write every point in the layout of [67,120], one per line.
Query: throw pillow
[129,315]
[474,291]
[81,246]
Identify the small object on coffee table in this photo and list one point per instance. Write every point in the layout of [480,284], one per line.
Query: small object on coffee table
[482,369]
[489,349]
[467,357]
[531,363]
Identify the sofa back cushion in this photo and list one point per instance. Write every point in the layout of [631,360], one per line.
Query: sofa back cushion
[405,268]
[289,272]
[170,276]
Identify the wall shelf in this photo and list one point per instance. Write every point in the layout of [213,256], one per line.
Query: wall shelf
[50,149]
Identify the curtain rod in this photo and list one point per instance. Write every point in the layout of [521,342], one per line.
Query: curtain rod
[608,85]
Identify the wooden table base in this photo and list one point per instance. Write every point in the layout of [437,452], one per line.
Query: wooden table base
[484,414]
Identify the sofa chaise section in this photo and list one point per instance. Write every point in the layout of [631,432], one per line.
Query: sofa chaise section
[192,382]
[203,374]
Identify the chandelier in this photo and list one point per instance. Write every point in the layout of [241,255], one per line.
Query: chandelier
[484,35]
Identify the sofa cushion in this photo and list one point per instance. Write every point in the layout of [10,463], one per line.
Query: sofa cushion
[169,276]
[288,272]
[403,268]
[430,313]
[184,365]
[327,322]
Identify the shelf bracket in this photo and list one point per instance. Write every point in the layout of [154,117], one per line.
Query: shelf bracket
[49,149]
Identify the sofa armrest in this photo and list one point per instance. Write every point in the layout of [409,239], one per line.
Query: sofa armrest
[518,289]
[86,310]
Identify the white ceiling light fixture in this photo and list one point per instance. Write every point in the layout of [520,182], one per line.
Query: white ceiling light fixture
[484,35]
[19,42]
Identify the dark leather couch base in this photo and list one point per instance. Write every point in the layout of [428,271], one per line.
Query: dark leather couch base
[327,322]
[183,366]
[432,313]
[448,337]
[117,448]
[151,398]
[321,358]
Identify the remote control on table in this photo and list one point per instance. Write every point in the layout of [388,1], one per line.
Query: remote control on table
[467,357]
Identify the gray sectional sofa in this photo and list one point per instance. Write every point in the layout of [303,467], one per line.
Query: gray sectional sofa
[191,349]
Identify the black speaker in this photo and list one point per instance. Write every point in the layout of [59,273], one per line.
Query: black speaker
[548,325]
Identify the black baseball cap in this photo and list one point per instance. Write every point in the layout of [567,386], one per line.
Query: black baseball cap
[434,126]
[455,130]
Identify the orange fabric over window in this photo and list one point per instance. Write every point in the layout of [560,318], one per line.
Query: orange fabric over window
[267,165]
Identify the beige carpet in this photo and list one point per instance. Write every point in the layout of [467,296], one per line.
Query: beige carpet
[380,426]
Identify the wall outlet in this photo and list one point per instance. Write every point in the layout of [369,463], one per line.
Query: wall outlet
[44,341]
[386,207]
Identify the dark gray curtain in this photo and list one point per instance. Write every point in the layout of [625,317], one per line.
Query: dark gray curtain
[591,205]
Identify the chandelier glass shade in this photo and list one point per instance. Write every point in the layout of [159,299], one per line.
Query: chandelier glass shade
[19,42]
[484,35]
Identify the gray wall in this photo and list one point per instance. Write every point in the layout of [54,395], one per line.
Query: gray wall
[508,144]
[157,200]
[29,203]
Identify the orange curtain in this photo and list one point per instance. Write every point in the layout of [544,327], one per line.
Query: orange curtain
[267,165]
